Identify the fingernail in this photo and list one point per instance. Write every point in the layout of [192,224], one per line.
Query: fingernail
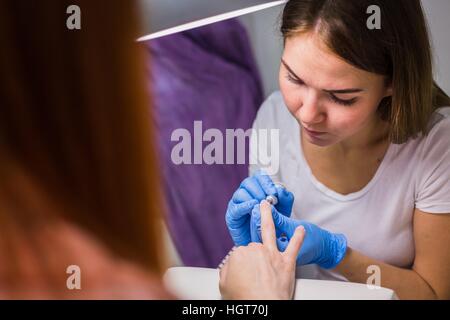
[264,204]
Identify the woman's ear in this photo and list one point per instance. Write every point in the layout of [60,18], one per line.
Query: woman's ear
[388,90]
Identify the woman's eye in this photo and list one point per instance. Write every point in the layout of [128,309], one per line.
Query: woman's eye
[333,98]
[294,80]
[343,102]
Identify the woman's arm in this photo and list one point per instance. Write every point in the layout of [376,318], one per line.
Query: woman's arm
[429,277]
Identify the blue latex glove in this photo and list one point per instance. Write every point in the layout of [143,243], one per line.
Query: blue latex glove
[250,192]
[237,219]
[319,246]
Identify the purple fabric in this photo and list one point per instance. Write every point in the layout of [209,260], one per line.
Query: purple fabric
[206,74]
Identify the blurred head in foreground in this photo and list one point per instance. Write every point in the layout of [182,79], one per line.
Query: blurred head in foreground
[78,179]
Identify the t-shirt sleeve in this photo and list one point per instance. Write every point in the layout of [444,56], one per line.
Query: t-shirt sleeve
[433,177]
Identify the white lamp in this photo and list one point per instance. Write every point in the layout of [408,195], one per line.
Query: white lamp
[164,17]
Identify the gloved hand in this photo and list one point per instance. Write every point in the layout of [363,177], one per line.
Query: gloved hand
[319,246]
[250,192]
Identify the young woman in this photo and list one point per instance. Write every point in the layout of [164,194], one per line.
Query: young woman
[364,148]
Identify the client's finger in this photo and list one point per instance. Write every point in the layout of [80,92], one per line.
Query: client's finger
[267,226]
[295,243]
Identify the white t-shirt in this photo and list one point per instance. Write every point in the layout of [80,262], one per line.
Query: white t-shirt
[377,220]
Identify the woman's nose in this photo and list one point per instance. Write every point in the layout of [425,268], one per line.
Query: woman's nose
[310,111]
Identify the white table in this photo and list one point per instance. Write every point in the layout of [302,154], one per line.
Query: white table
[203,284]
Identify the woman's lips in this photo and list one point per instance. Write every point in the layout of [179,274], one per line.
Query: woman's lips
[314,133]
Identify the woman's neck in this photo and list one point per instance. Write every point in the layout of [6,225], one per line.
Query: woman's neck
[374,134]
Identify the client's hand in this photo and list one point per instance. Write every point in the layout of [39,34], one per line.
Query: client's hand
[260,271]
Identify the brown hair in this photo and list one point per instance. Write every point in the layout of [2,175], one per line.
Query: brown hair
[399,50]
[74,117]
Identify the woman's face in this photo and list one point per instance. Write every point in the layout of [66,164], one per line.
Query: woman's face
[326,94]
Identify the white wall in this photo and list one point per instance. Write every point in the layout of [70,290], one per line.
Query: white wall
[267,45]
[438,16]
[263,30]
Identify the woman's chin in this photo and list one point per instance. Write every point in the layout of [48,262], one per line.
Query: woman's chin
[319,143]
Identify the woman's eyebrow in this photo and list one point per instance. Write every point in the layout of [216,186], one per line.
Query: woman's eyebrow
[341,91]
